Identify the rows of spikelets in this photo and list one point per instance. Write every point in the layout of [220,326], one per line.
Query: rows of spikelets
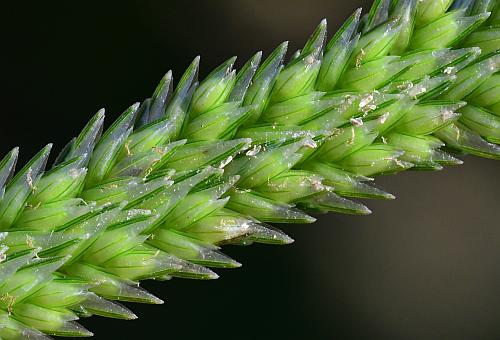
[212,162]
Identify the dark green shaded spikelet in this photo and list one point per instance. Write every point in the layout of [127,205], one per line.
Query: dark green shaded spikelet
[212,162]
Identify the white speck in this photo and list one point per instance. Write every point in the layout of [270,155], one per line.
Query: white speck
[366,100]
[447,114]
[75,173]
[457,132]
[254,151]
[225,162]
[3,250]
[353,136]
[136,212]
[127,148]
[29,180]
[416,90]
[310,60]
[356,121]
[310,143]
[399,163]
[242,191]
[348,99]
[384,117]
[476,50]
[359,58]
[449,70]
[29,241]
[317,185]
[405,86]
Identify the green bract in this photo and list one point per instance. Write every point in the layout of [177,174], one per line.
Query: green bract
[209,163]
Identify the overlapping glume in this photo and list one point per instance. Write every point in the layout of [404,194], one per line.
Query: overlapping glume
[186,171]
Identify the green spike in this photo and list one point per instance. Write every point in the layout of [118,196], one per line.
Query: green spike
[19,188]
[221,122]
[375,159]
[250,203]
[84,143]
[160,98]
[263,82]
[109,147]
[244,79]
[337,54]
[376,43]
[430,10]
[485,123]
[214,90]
[446,31]
[205,165]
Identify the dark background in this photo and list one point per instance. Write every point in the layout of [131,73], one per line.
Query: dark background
[422,267]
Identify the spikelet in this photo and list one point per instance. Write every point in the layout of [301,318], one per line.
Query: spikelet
[216,161]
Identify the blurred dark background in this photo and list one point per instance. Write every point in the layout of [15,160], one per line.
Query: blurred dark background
[422,267]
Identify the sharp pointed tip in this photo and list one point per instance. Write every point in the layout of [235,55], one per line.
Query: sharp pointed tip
[100,113]
[366,211]
[283,46]
[323,22]
[83,332]
[257,57]
[287,239]
[390,196]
